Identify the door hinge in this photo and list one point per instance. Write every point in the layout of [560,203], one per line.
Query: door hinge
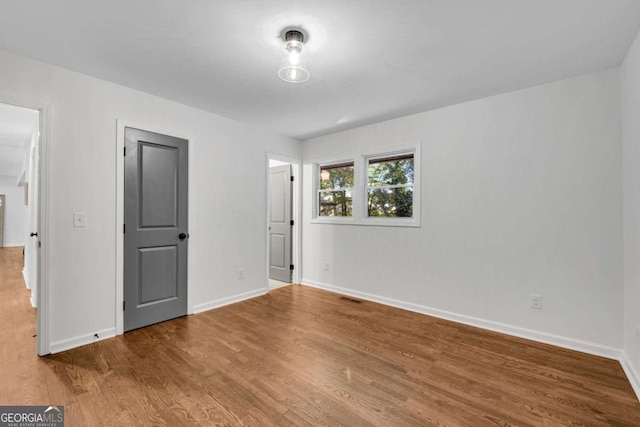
[291,178]
[124,228]
[39,244]
[125,151]
[291,267]
[292,223]
[123,306]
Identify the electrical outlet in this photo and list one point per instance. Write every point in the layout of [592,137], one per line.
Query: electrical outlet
[326,266]
[536,301]
[240,273]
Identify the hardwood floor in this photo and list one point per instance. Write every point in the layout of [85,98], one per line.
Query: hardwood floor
[301,356]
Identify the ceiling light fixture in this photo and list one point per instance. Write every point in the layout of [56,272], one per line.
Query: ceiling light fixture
[293,68]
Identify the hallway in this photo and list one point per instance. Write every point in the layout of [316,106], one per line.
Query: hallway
[17,336]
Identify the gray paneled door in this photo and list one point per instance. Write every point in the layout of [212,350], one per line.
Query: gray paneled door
[280,223]
[155,234]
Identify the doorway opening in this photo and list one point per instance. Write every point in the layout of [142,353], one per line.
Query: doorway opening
[20,220]
[283,221]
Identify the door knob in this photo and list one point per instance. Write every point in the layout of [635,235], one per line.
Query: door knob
[182,236]
[34,234]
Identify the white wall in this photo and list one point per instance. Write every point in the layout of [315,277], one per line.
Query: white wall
[521,195]
[631,185]
[228,193]
[15,212]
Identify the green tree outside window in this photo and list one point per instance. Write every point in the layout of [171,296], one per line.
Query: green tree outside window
[390,186]
[335,196]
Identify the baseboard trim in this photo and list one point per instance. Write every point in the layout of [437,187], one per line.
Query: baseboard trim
[199,308]
[630,371]
[63,345]
[80,340]
[543,337]
[13,245]
[25,276]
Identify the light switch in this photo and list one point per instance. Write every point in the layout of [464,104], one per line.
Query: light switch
[79,219]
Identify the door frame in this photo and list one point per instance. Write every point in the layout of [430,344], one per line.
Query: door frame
[119,291]
[43,311]
[296,215]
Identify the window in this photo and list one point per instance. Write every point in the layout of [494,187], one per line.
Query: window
[390,186]
[335,192]
[379,188]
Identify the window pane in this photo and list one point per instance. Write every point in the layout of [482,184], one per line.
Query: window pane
[391,170]
[391,202]
[336,176]
[335,203]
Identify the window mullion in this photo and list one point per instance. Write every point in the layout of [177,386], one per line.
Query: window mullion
[358,184]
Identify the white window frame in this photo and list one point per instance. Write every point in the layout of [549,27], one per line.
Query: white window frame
[413,221]
[316,193]
[360,189]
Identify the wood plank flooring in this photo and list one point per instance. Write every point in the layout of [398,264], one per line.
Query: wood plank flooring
[301,356]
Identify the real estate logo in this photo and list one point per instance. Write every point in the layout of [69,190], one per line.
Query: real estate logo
[31,416]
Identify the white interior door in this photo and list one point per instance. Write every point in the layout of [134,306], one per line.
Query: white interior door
[32,244]
[280,225]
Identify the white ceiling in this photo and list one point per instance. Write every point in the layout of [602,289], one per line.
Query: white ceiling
[370,60]
[16,126]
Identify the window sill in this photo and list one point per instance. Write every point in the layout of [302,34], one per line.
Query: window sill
[372,222]
[333,220]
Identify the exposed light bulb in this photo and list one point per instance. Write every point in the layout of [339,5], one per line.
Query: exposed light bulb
[294,58]
[293,64]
